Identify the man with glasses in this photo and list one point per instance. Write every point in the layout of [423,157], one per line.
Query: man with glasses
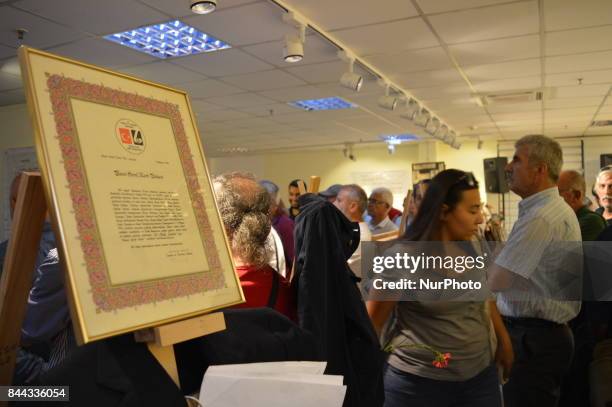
[379,205]
[603,188]
[573,189]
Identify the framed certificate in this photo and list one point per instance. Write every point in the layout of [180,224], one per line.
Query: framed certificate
[127,185]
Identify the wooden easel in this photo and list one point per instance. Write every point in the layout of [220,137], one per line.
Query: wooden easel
[16,282]
[18,267]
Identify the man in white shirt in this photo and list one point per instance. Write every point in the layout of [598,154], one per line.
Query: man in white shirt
[379,205]
[540,260]
[352,202]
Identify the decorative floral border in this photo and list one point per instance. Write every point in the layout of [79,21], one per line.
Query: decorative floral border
[106,297]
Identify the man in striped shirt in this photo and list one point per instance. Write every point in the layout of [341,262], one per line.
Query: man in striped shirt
[538,265]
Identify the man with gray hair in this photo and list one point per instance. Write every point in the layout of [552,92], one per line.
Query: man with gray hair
[603,188]
[352,202]
[379,205]
[573,189]
[532,270]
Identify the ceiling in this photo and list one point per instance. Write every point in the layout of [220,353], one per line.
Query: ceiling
[440,51]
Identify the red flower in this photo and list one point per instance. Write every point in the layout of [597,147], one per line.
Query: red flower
[441,360]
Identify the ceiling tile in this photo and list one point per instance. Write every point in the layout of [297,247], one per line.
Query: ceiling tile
[263,80]
[222,115]
[388,37]
[487,23]
[297,93]
[181,8]
[6,52]
[488,52]
[515,107]
[336,14]
[98,51]
[437,92]
[240,100]
[564,14]
[268,110]
[573,102]
[222,63]
[427,78]
[163,72]
[201,106]
[440,6]
[316,50]
[570,112]
[411,61]
[578,41]
[579,62]
[526,116]
[572,78]
[209,88]
[247,24]
[504,70]
[506,85]
[320,73]
[582,91]
[8,81]
[41,33]
[99,17]
[12,97]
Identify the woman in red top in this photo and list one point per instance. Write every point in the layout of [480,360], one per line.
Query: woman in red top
[244,206]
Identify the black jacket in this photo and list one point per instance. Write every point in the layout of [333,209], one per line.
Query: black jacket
[120,372]
[329,303]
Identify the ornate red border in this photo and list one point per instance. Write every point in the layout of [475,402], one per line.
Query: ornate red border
[106,297]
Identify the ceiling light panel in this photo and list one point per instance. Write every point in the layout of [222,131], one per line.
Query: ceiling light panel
[333,103]
[168,40]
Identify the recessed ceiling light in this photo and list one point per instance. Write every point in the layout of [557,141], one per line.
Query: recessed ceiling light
[168,40]
[203,6]
[333,103]
[398,138]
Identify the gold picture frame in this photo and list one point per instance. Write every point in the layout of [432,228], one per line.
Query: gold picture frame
[129,192]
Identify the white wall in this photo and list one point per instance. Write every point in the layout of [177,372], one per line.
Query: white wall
[331,165]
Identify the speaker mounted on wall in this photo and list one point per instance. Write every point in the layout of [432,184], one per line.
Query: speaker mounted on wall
[495,175]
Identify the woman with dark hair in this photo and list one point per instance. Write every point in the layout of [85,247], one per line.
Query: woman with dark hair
[450,212]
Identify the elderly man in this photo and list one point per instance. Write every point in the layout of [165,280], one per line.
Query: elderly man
[573,189]
[244,206]
[352,202]
[533,265]
[603,188]
[379,205]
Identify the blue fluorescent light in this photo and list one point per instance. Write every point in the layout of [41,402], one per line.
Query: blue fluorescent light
[395,139]
[168,40]
[333,103]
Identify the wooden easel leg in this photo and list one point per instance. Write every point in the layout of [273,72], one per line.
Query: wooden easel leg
[19,263]
[165,357]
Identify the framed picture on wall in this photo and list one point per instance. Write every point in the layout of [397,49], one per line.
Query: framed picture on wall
[421,171]
[129,191]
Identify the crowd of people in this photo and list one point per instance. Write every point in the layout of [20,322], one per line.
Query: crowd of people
[305,262]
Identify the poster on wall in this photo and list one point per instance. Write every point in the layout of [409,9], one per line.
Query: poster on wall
[422,171]
[16,160]
[398,181]
[127,185]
